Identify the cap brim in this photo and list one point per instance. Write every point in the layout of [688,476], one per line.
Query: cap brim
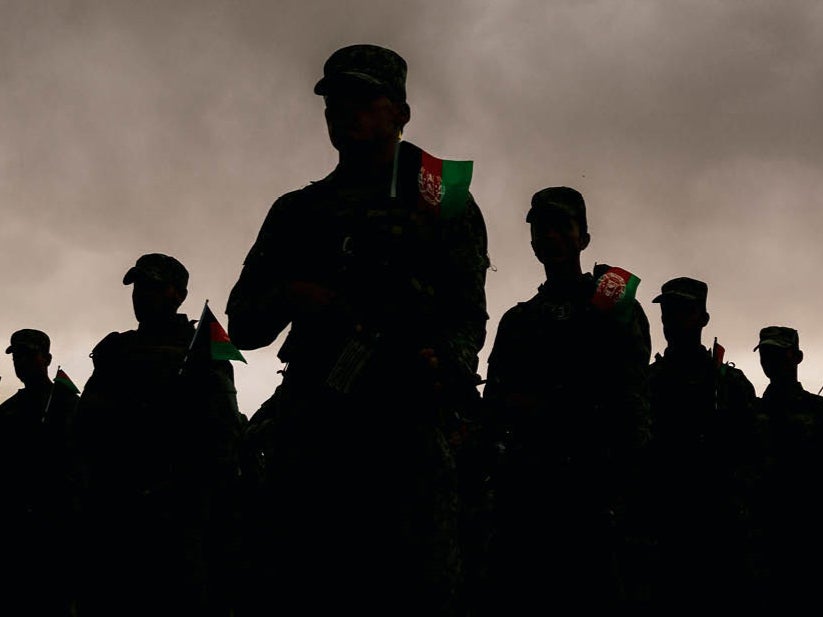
[131,275]
[327,84]
[19,346]
[772,343]
[675,295]
[138,274]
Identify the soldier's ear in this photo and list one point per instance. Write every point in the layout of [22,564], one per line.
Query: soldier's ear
[798,355]
[585,238]
[403,114]
[705,319]
[48,359]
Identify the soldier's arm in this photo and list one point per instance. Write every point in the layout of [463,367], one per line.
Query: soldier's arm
[506,397]
[216,424]
[463,294]
[258,309]
[631,369]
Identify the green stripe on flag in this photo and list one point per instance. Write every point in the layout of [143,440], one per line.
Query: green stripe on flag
[457,176]
[444,185]
[225,350]
[64,380]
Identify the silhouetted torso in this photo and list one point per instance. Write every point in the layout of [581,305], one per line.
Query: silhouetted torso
[357,463]
[566,391]
[37,483]
[792,511]
[704,457]
[158,449]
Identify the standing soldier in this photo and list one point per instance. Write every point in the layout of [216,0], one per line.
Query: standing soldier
[36,483]
[384,292]
[157,444]
[703,412]
[566,396]
[791,494]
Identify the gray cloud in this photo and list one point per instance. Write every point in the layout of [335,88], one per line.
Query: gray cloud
[691,128]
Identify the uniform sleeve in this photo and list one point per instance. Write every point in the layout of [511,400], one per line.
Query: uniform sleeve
[257,309]
[632,373]
[464,289]
[500,388]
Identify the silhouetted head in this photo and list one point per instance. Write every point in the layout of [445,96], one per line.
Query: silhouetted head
[683,310]
[364,87]
[30,354]
[779,353]
[160,286]
[559,231]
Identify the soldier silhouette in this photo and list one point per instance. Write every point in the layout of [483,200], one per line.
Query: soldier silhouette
[38,484]
[158,449]
[791,510]
[704,447]
[382,284]
[566,397]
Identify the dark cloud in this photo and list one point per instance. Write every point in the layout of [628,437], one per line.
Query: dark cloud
[691,128]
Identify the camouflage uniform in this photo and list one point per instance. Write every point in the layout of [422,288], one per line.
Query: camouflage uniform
[159,453]
[566,397]
[704,456]
[790,504]
[356,460]
[38,486]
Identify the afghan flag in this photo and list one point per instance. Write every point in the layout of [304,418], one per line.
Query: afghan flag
[211,336]
[718,352]
[63,379]
[615,291]
[441,186]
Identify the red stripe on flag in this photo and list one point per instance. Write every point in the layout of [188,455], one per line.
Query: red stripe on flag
[218,334]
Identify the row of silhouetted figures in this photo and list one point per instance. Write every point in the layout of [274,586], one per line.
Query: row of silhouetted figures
[380,479]
[581,477]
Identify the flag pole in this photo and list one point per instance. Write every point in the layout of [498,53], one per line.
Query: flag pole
[48,402]
[194,338]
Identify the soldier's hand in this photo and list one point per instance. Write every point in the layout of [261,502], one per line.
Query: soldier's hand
[307,297]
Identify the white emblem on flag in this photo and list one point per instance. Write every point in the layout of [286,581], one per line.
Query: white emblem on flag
[430,186]
[611,286]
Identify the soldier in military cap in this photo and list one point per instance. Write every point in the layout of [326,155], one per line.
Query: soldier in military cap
[566,397]
[36,483]
[704,419]
[386,305]
[790,501]
[158,445]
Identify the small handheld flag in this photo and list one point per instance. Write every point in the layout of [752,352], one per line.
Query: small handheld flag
[64,380]
[211,335]
[442,185]
[718,351]
[615,291]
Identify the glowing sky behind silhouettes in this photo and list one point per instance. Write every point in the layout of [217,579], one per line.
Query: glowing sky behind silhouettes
[693,130]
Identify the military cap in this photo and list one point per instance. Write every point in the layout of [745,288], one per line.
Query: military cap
[160,268]
[778,336]
[29,339]
[369,65]
[558,200]
[684,288]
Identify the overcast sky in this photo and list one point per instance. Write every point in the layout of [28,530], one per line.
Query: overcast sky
[693,130]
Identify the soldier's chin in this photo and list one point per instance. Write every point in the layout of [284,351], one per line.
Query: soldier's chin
[350,145]
[552,259]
